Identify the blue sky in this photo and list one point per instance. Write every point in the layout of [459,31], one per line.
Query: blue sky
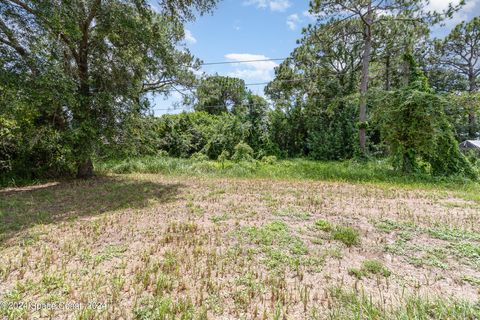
[258,29]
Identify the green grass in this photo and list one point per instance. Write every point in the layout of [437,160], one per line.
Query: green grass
[377,172]
[346,235]
[280,247]
[358,305]
[370,267]
[323,225]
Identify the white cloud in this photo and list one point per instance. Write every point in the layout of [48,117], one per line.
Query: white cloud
[259,70]
[462,15]
[274,5]
[293,20]
[440,5]
[189,37]
[279,5]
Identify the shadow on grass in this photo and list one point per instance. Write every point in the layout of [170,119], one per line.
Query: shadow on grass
[22,208]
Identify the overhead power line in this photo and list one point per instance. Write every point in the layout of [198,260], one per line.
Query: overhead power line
[185,108]
[240,61]
[246,85]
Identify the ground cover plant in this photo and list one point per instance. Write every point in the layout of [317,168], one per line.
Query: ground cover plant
[172,246]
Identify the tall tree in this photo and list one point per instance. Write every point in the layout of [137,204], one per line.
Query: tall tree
[112,51]
[371,13]
[308,87]
[460,51]
[218,94]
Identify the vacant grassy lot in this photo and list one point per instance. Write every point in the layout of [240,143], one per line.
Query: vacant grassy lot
[151,246]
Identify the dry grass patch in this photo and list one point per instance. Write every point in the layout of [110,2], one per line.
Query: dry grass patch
[156,247]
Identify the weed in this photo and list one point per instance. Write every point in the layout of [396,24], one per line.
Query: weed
[370,267]
[278,243]
[346,235]
[323,225]
[220,218]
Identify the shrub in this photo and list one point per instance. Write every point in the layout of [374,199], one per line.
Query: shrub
[198,156]
[243,152]
[414,124]
[269,159]
[223,157]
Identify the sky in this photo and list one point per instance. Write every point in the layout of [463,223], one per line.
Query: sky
[241,30]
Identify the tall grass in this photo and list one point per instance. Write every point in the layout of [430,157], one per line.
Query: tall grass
[377,172]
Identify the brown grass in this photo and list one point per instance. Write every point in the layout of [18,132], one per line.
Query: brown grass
[227,249]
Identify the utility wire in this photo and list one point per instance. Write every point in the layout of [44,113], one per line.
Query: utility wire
[240,61]
[246,85]
[250,105]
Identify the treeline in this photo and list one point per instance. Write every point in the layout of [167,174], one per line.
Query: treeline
[370,84]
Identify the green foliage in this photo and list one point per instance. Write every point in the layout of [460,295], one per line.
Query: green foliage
[347,235]
[223,157]
[417,130]
[331,130]
[459,108]
[229,131]
[243,152]
[198,156]
[359,305]
[78,75]
[288,131]
[269,159]
[323,225]
[219,94]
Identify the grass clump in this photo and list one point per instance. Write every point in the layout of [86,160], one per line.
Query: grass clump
[346,235]
[370,267]
[323,225]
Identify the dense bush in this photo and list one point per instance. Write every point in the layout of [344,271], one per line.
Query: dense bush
[243,152]
[332,133]
[417,130]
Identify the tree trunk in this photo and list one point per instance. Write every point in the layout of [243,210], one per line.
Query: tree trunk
[387,72]
[85,169]
[364,83]
[83,149]
[472,117]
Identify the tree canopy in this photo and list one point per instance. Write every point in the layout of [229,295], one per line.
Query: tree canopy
[95,60]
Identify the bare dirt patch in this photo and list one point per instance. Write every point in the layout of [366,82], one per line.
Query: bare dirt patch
[141,245]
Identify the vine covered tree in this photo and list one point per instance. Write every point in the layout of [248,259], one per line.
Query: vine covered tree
[371,13]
